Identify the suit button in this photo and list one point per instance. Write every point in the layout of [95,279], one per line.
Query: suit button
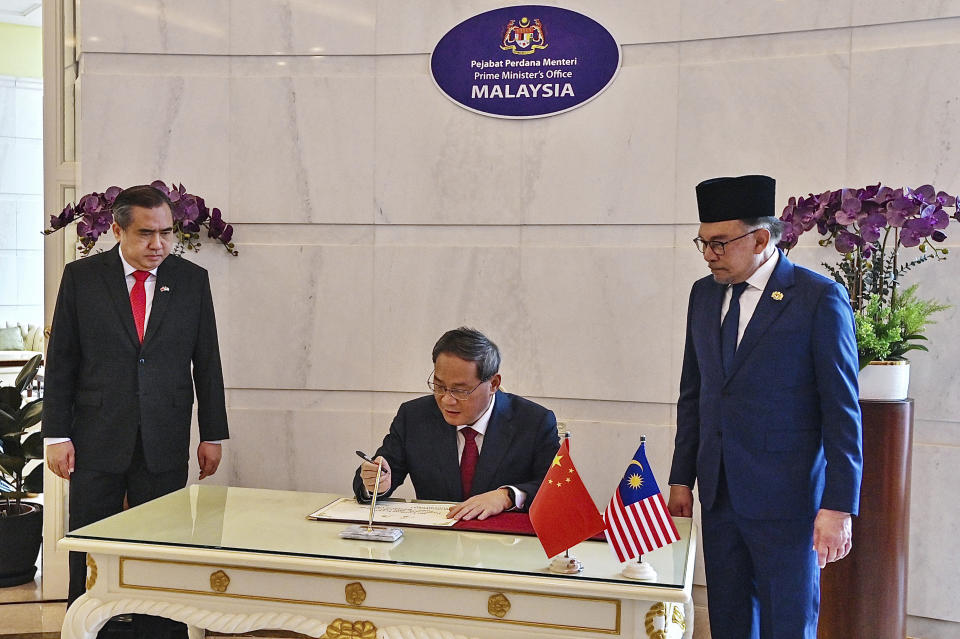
[142,361]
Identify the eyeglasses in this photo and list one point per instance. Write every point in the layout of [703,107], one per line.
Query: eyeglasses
[458,394]
[717,246]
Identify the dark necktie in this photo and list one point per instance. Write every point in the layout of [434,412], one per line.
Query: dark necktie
[138,301]
[730,327]
[468,460]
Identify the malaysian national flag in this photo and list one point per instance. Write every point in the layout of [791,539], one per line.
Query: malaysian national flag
[637,520]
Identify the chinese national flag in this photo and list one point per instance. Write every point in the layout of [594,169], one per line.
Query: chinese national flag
[563,514]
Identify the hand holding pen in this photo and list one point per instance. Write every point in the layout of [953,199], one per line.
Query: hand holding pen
[368,473]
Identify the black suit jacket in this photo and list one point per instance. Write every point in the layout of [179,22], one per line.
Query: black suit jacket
[102,385]
[518,447]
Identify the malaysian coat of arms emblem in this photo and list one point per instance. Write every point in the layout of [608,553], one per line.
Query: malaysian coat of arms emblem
[524,37]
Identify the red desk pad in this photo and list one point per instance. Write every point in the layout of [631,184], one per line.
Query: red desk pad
[509,523]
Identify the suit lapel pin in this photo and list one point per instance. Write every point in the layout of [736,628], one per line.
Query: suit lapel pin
[166,289]
[777,296]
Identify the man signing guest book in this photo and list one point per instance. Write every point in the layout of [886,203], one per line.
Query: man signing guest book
[469,442]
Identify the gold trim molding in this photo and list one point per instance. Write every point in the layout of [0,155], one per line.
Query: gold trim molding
[498,605]
[219,581]
[670,614]
[615,603]
[91,571]
[354,593]
[342,629]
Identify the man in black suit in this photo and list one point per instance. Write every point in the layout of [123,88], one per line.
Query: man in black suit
[128,326]
[470,442]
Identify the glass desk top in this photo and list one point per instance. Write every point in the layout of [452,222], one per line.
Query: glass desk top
[275,522]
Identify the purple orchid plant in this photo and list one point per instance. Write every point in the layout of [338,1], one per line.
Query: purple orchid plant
[93,215]
[869,226]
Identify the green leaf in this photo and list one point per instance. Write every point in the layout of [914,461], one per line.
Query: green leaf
[12,464]
[33,446]
[33,482]
[27,373]
[915,347]
[11,444]
[6,418]
[10,398]
[30,414]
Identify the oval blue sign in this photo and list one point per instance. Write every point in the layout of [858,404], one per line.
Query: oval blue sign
[526,61]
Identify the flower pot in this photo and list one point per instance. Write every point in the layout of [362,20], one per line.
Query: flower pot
[885,380]
[20,537]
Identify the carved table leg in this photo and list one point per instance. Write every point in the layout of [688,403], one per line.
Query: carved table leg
[82,620]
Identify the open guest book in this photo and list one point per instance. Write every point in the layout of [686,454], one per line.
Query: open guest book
[431,514]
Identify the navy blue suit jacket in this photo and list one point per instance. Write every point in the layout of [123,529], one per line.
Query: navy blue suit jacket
[518,447]
[785,420]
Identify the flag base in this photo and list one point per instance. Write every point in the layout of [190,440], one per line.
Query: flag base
[371,533]
[641,571]
[566,565]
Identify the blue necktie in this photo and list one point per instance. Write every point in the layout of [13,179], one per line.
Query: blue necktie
[730,327]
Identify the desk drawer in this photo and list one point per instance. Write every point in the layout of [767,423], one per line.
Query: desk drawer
[364,593]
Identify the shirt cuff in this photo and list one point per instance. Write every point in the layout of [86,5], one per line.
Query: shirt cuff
[54,440]
[218,442]
[519,497]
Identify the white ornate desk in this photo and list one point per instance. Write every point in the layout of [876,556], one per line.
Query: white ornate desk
[238,559]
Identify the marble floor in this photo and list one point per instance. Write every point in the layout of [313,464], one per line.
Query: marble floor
[24,613]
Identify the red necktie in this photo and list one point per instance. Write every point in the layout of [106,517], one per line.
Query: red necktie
[138,301]
[468,460]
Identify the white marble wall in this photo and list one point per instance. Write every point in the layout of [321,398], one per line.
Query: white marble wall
[21,201]
[372,214]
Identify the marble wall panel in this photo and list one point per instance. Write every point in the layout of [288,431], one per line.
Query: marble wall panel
[295,449]
[700,20]
[437,163]
[430,280]
[9,235]
[29,282]
[934,544]
[144,118]
[580,169]
[571,411]
[932,374]
[400,30]
[771,104]
[909,140]
[29,108]
[870,12]
[154,26]
[302,140]
[688,267]
[9,273]
[30,222]
[304,27]
[8,106]
[8,165]
[298,317]
[599,322]
[27,154]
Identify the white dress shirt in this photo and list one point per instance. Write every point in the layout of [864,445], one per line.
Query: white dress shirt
[751,295]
